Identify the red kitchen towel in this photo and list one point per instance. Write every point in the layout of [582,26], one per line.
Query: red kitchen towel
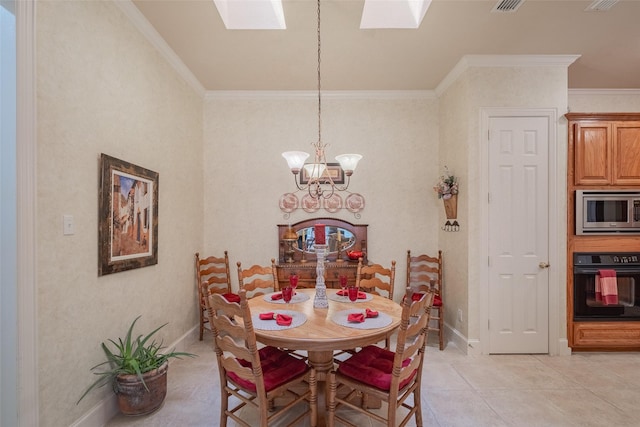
[283,319]
[231,297]
[598,288]
[371,313]
[355,317]
[361,295]
[609,286]
[276,296]
[266,316]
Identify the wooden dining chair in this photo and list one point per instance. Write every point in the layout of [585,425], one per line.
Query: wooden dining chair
[252,378]
[390,376]
[258,279]
[212,276]
[426,271]
[376,279]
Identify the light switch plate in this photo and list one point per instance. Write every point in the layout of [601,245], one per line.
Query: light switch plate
[68,225]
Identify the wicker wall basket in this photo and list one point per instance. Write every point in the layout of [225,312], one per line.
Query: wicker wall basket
[451,207]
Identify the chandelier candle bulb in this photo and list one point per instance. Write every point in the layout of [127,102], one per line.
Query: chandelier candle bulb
[320,234]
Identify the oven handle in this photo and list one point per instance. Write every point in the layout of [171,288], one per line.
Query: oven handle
[582,270]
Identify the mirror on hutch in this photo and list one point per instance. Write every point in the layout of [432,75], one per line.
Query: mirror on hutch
[296,254]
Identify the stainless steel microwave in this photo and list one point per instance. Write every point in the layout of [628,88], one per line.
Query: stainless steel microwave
[607,212]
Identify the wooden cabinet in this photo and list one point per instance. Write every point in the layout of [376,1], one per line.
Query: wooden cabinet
[605,148]
[626,153]
[306,273]
[603,153]
[593,153]
[606,336]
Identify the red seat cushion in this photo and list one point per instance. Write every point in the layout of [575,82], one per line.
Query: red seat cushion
[278,367]
[231,297]
[437,301]
[373,365]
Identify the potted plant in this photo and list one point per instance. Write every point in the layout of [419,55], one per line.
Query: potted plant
[136,368]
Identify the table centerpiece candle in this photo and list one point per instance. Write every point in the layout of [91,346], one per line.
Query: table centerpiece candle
[320,236]
[320,300]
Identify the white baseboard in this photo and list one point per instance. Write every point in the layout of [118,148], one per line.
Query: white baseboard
[107,408]
[563,347]
[468,347]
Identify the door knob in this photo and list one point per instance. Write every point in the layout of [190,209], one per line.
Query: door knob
[543,265]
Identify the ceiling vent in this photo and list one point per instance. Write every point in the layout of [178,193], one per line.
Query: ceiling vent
[601,5]
[507,5]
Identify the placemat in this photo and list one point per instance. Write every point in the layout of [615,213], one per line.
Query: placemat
[271,325]
[370,323]
[298,297]
[340,298]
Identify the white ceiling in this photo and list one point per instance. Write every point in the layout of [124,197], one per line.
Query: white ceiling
[397,59]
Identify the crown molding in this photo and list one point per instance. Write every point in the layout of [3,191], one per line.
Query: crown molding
[147,30]
[309,94]
[469,61]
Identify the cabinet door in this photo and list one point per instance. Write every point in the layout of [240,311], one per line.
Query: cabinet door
[626,153]
[593,153]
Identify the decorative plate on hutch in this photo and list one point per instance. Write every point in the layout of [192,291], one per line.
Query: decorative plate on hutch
[288,202]
[333,203]
[354,202]
[309,204]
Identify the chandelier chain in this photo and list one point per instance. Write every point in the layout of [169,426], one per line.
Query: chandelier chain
[319,80]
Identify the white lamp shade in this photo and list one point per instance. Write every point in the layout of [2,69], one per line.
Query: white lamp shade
[348,162]
[314,170]
[295,159]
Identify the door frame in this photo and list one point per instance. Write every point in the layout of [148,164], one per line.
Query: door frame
[26,168]
[557,270]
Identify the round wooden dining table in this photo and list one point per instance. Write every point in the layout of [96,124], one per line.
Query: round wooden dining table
[320,335]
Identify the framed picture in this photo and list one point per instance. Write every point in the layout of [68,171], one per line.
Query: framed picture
[333,170]
[127,216]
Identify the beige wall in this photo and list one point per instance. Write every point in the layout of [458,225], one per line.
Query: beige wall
[604,101]
[245,173]
[455,110]
[102,88]
[461,105]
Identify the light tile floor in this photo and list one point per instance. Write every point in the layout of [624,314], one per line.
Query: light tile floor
[585,389]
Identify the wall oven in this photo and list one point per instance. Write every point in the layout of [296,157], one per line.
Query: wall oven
[586,306]
[607,212]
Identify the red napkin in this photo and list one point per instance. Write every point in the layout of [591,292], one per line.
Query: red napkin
[231,297]
[361,295]
[371,313]
[355,317]
[283,319]
[266,316]
[276,296]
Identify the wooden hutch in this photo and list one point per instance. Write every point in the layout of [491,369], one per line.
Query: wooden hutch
[296,254]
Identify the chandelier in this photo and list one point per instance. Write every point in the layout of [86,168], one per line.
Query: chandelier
[320,183]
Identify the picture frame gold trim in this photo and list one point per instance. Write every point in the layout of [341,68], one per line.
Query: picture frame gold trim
[127,216]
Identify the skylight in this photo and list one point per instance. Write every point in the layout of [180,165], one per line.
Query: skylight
[268,14]
[393,13]
[251,14]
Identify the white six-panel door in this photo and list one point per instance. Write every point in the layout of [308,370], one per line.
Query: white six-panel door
[518,235]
